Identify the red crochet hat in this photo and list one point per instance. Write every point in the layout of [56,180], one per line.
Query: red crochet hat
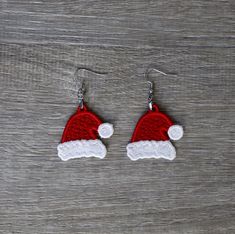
[80,136]
[151,136]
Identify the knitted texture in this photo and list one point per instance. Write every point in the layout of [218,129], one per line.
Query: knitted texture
[151,149]
[175,132]
[82,125]
[152,126]
[80,135]
[151,136]
[105,130]
[80,149]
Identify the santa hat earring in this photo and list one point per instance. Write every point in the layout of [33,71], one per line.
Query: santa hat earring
[153,132]
[80,136]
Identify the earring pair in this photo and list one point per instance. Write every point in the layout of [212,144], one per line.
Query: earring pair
[151,137]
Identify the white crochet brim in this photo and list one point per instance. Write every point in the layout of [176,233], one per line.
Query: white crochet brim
[81,149]
[151,149]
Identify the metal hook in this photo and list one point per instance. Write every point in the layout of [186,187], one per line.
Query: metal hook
[150,97]
[81,90]
[149,69]
[80,95]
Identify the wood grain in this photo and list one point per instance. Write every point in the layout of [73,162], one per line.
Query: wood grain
[42,43]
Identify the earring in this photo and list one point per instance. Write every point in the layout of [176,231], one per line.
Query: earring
[80,136]
[152,134]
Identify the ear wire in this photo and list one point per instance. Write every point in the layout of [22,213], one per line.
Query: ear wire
[146,76]
[81,90]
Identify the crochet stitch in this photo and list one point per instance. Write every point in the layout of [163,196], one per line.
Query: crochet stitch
[151,137]
[80,136]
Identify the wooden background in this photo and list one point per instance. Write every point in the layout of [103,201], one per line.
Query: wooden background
[42,43]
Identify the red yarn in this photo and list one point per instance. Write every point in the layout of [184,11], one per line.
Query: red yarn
[82,125]
[153,125]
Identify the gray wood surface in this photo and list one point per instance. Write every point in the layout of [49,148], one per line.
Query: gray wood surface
[42,43]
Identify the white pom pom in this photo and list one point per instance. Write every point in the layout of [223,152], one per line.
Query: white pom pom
[105,130]
[175,132]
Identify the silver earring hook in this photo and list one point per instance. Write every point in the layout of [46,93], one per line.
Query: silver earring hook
[149,69]
[81,90]
[150,97]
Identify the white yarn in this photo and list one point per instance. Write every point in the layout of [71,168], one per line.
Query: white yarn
[80,149]
[151,149]
[105,130]
[175,132]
